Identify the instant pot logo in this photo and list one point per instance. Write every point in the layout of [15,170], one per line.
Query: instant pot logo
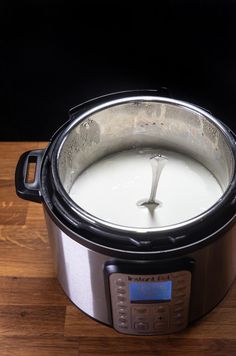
[141,279]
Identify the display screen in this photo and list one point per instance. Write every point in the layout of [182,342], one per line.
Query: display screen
[150,291]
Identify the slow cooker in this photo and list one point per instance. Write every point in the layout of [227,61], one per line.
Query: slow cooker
[138,276]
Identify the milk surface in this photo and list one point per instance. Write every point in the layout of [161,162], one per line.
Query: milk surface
[111,188]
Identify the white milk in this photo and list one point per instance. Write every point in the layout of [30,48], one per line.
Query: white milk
[111,188]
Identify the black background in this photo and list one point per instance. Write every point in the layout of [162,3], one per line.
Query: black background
[57,54]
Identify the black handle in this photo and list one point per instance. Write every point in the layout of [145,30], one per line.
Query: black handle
[25,189]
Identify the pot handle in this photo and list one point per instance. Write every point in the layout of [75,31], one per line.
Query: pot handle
[26,189]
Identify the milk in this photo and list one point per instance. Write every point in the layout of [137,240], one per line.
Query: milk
[111,188]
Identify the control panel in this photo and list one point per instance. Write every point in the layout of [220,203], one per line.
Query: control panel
[150,304]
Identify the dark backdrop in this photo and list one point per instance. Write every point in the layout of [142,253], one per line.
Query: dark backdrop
[56,54]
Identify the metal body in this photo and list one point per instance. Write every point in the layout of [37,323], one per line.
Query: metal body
[80,271]
[91,254]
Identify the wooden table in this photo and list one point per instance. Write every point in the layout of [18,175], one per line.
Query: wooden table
[36,318]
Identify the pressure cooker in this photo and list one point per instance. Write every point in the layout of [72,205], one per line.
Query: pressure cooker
[136,277]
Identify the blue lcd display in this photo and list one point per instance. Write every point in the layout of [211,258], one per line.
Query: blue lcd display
[150,291]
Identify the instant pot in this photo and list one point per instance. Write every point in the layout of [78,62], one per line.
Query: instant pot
[99,263]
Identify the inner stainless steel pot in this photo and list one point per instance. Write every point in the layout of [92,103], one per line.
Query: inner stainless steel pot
[145,121]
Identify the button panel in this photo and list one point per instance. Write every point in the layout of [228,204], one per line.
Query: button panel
[150,317]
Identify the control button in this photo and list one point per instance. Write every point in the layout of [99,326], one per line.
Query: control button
[178,308]
[141,325]
[160,326]
[180,289]
[122,318]
[122,310]
[137,310]
[179,295]
[180,280]
[161,319]
[122,325]
[161,309]
[122,315]
[121,290]
[179,302]
[178,316]
[179,322]
[121,304]
[179,283]
[121,298]
[140,318]
[120,282]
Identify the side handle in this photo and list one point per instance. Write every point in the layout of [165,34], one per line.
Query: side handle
[25,188]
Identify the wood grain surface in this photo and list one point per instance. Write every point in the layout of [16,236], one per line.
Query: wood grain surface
[36,318]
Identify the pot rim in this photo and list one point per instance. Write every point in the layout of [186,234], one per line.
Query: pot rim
[100,223]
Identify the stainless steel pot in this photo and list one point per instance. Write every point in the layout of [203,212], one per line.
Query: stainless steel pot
[97,261]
